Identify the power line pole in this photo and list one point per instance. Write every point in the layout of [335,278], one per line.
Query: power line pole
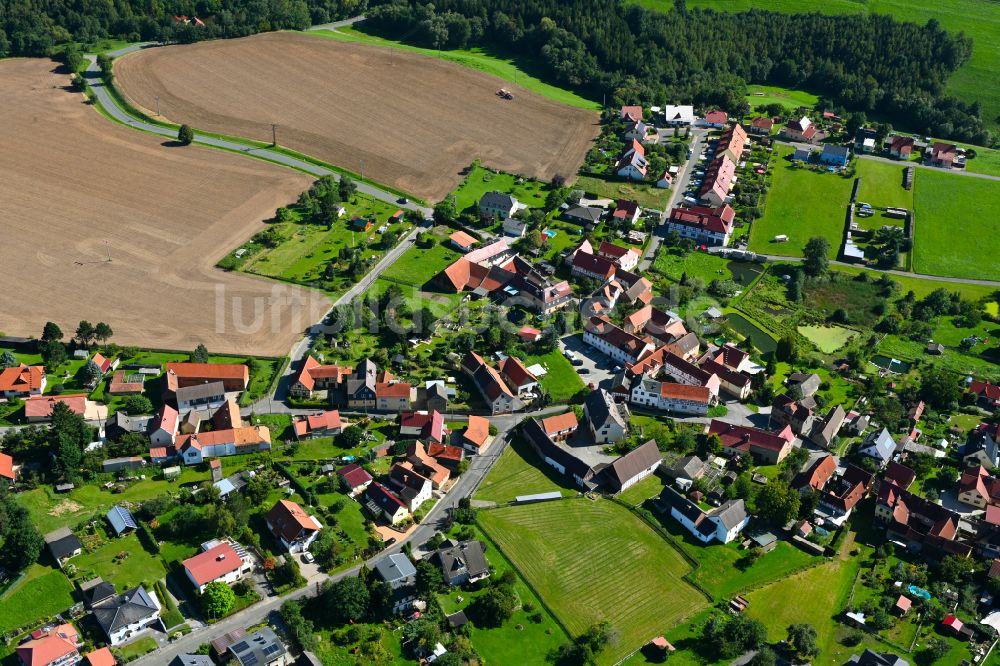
[274,134]
[157,106]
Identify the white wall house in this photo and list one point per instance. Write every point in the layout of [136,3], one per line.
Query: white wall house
[670,397]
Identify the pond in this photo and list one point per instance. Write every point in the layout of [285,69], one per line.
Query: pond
[744,272]
[757,336]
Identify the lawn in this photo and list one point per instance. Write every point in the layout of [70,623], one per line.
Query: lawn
[882,185]
[417,266]
[648,196]
[651,486]
[827,339]
[973,81]
[475,58]
[138,648]
[520,472]
[801,203]
[481,180]
[921,286]
[764,95]
[42,592]
[703,265]
[561,381]
[957,231]
[593,560]
[507,644]
[138,566]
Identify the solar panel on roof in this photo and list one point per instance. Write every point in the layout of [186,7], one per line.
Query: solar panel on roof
[270,649]
[249,660]
[240,647]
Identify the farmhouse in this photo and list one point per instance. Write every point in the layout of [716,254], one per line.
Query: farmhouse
[292,526]
[38,408]
[919,523]
[615,342]
[122,616]
[461,562]
[608,419]
[816,475]
[799,130]
[200,446]
[586,265]
[322,424]
[477,438]
[735,383]
[631,113]
[721,524]
[632,467]
[380,501]
[685,372]
[835,155]
[761,126]
[497,206]
[943,155]
[625,258]
[313,376]
[560,427]
[670,397]
[419,459]
[22,381]
[708,226]
[491,386]
[223,561]
[517,376]
[234,376]
[901,147]
[767,447]
[557,457]
[200,396]
[678,116]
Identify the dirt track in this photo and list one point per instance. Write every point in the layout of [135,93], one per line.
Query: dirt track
[415,121]
[74,186]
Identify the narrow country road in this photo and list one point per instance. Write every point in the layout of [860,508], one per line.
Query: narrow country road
[333,25]
[918,276]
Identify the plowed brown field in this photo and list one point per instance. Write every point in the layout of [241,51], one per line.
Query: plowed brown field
[75,186]
[410,121]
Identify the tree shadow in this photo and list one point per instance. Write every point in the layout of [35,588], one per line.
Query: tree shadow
[172,143]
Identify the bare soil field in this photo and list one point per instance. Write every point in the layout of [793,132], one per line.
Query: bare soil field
[75,187]
[410,121]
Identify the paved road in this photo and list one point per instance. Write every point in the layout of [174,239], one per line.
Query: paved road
[338,24]
[93,75]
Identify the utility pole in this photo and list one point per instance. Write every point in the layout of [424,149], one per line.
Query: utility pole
[362,169]
[274,134]
[157,106]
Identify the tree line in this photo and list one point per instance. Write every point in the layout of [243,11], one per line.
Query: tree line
[626,54]
[38,27]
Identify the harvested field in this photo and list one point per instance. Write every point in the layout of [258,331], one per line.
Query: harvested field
[416,122]
[74,187]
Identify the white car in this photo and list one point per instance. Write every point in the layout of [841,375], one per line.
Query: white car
[308,558]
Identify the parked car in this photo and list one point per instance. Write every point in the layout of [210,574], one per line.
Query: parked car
[390,541]
[402,200]
[308,558]
[584,371]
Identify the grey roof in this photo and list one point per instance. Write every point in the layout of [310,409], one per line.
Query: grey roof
[689,467]
[871,658]
[824,432]
[497,200]
[200,391]
[133,606]
[585,213]
[96,591]
[192,660]
[808,383]
[671,499]
[121,519]
[363,377]
[601,408]
[879,445]
[62,542]
[839,151]
[458,619]
[467,555]
[260,647]
[395,567]
[546,448]
[625,468]
[730,514]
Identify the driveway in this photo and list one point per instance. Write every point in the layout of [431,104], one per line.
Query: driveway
[596,368]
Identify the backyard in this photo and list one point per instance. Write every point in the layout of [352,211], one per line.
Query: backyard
[801,203]
[520,472]
[40,593]
[561,379]
[418,265]
[647,195]
[882,184]
[123,562]
[481,180]
[593,560]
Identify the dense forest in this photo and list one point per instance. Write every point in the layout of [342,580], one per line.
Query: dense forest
[36,27]
[628,54]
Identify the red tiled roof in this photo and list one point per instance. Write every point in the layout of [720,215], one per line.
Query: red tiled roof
[685,392]
[288,520]
[22,378]
[717,220]
[514,370]
[209,370]
[633,113]
[329,420]
[244,436]
[559,422]
[716,116]
[593,264]
[44,651]
[40,406]
[985,389]
[477,431]
[734,436]
[440,451]
[462,239]
[397,390]
[213,563]
[102,657]
[762,123]
[119,384]
[6,466]
[354,475]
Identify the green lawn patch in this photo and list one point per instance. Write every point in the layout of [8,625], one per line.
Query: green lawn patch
[562,380]
[827,339]
[921,286]
[764,95]
[417,266]
[520,472]
[648,196]
[123,562]
[800,204]
[957,231]
[41,593]
[475,58]
[594,560]
[481,180]
[651,486]
[136,649]
[705,266]
[882,186]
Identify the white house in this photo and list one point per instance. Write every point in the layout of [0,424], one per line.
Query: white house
[671,397]
[678,115]
[200,446]
[514,227]
[124,615]
[721,524]
[163,429]
[609,420]
[497,205]
[708,226]
[224,561]
[292,526]
[413,489]
[615,342]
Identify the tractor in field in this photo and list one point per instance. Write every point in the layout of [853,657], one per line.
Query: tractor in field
[503,93]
